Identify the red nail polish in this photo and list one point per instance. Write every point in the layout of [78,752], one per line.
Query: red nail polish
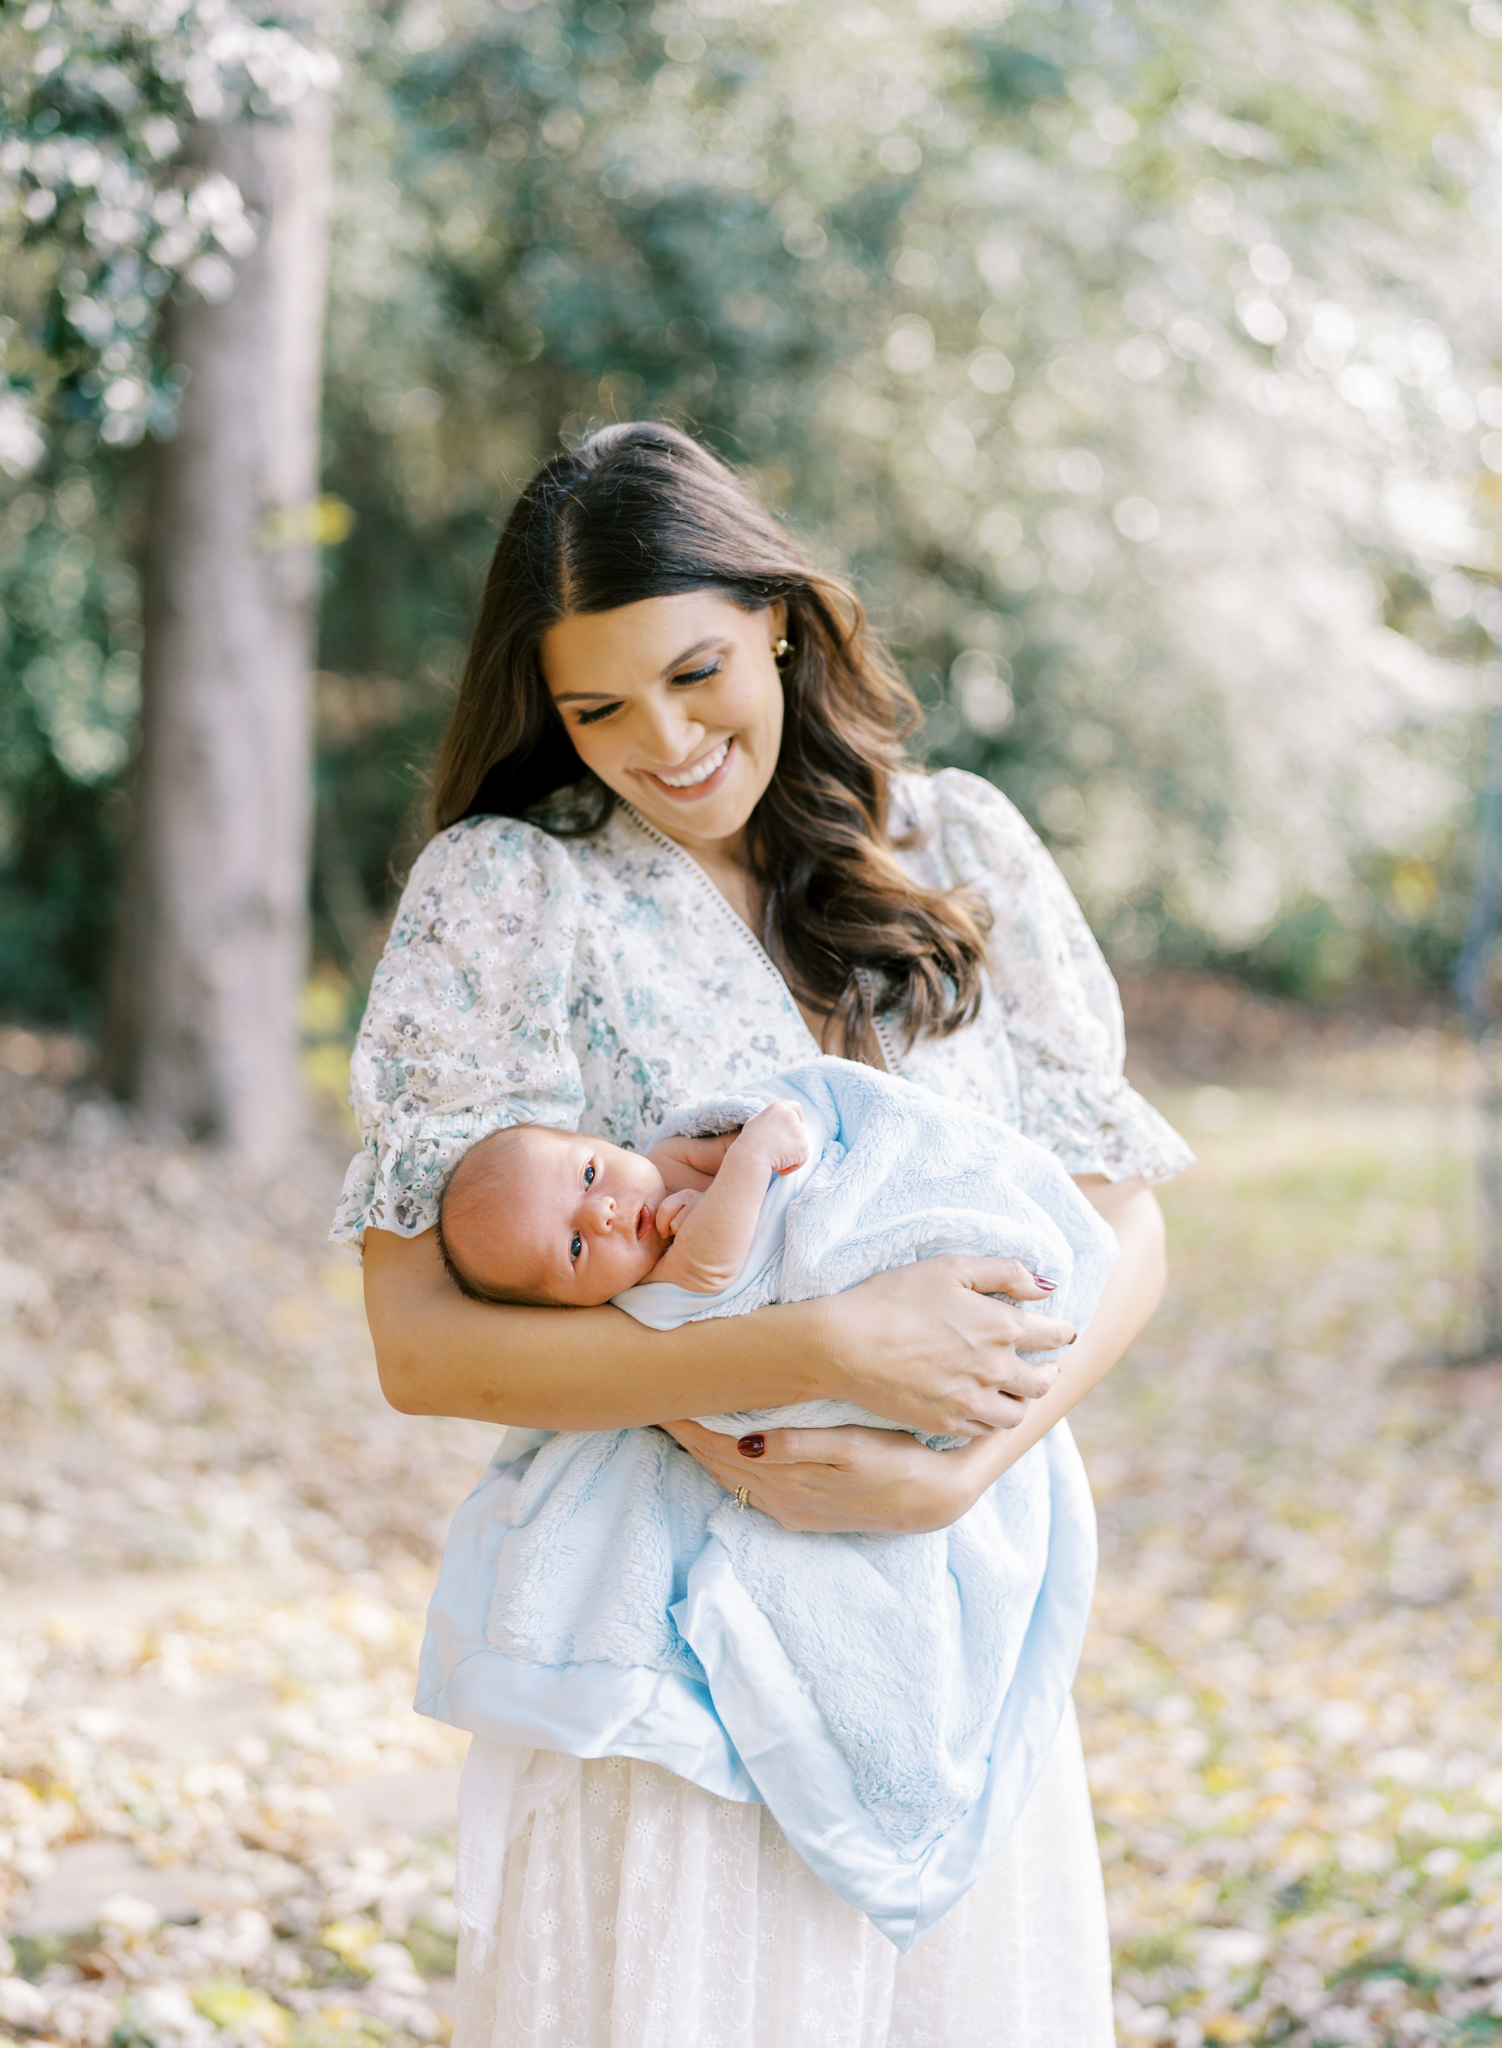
[751,1446]
[1048,1286]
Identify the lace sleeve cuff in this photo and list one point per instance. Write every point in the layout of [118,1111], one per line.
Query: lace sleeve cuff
[395,1184]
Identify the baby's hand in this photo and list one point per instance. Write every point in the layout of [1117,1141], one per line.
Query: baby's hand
[671,1211]
[778,1132]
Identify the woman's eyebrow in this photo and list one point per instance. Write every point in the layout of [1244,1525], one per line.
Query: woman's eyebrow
[699,647]
[613,696]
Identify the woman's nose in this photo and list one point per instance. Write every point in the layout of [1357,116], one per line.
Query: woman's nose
[671,734]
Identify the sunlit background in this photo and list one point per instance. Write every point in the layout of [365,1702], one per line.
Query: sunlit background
[1142,363]
[1138,362]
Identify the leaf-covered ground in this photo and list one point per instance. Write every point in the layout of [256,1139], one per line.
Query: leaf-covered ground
[1292,1693]
[216,1545]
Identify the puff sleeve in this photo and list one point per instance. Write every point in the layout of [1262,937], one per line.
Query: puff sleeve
[1059,1002]
[467,1027]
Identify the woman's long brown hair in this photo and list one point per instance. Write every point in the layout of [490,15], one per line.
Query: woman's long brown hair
[642,511]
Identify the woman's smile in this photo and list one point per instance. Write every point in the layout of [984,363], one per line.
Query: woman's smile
[702,777]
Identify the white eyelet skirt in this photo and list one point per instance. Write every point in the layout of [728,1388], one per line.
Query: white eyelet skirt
[610,1904]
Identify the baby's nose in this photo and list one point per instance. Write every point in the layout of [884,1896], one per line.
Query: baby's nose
[604,1211]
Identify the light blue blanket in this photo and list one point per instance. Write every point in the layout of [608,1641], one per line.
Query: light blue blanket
[892,1699]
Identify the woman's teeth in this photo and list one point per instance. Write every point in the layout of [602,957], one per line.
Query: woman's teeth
[700,772]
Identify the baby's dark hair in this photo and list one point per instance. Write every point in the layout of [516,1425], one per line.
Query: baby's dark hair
[495,1297]
[457,1273]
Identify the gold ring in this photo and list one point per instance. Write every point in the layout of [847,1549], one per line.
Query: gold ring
[742,1495]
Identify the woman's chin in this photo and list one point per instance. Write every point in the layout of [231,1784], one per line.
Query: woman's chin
[709,820]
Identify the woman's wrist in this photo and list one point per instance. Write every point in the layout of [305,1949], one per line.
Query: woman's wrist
[939,1492]
[823,1344]
[985,1459]
[975,1469]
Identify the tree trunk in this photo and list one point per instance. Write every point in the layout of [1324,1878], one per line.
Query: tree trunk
[211,948]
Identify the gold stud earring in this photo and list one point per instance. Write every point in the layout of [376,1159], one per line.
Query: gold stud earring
[782,652]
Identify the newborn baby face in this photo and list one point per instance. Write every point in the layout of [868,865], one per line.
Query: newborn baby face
[555,1216]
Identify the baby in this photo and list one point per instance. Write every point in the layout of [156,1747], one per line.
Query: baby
[562,1219]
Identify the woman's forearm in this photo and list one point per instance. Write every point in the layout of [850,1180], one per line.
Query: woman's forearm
[931,1346]
[1127,1302]
[439,1353]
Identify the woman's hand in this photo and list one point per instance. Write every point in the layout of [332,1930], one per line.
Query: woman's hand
[882,1481]
[875,1481]
[932,1347]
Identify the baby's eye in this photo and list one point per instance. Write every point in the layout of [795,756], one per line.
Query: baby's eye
[575,1245]
[589,1176]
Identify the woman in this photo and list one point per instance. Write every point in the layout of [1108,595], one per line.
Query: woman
[725,867]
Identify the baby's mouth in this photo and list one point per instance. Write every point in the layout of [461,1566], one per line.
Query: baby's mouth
[646,1216]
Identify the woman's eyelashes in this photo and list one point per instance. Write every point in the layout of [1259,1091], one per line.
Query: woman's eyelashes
[699,675]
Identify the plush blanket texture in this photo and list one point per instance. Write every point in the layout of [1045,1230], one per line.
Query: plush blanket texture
[892,1698]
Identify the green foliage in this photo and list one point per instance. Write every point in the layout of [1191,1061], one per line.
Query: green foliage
[1135,360]
[70,645]
[101,220]
[96,98]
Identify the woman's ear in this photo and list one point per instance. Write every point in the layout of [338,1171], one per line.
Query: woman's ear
[782,647]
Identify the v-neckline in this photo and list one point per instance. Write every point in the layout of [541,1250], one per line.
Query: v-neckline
[723,903]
